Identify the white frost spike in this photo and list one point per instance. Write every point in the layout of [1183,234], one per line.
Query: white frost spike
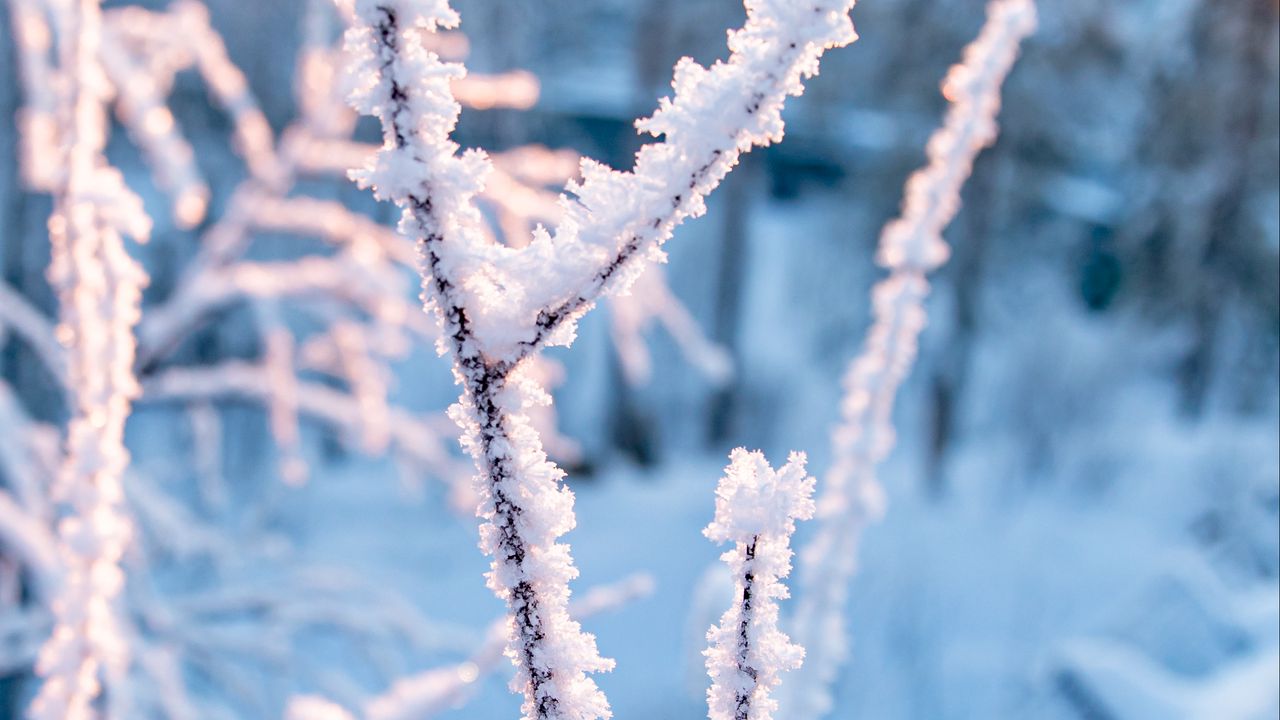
[756,509]
[99,291]
[909,246]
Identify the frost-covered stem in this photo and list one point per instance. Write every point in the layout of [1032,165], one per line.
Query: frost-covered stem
[99,289]
[435,692]
[485,399]
[910,247]
[852,497]
[409,435]
[440,690]
[499,305]
[717,114]
[531,576]
[914,241]
[756,509]
[742,695]
[141,107]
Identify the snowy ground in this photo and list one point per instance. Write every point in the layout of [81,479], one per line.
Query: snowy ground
[962,609]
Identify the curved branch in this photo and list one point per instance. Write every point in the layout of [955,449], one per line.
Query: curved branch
[412,436]
[165,325]
[35,329]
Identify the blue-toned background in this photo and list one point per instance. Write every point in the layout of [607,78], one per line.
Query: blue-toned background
[1084,503]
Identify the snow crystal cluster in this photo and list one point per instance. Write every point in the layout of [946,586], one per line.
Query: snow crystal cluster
[910,246]
[756,509]
[499,304]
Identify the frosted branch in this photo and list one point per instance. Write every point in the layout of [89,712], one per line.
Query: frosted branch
[408,89]
[499,304]
[910,246]
[140,104]
[410,436]
[515,192]
[756,509]
[362,286]
[932,195]
[99,290]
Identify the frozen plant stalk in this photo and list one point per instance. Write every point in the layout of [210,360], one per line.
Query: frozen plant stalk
[500,304]
[99,290]
[756,510]
[408,89]
[910,246]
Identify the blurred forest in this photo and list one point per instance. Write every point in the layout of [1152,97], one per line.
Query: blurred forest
[1097,399]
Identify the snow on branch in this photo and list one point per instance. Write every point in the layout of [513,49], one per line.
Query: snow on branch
[515,195]
[910,246]
[99,291]
[254,139]
[756,509]
[38,118]
[500,304]
[361,285]
[413,438]
[141,106]
[914,241]
[617,216]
